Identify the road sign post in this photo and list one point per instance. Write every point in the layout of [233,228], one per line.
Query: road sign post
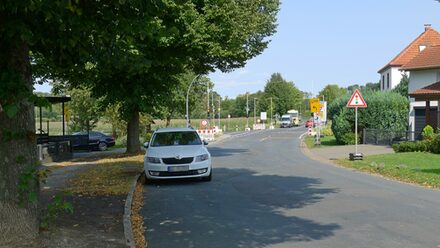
[356,101]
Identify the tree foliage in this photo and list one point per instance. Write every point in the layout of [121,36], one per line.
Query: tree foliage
[285,94]
[368,86]
[84,109]
[137,66]
[330,92]
[402,87]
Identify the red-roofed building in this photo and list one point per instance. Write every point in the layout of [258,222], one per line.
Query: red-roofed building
[424,87]
[391,73]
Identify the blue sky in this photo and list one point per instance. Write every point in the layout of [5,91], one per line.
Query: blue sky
[319,42]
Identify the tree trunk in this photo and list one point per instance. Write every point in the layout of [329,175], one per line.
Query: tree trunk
[114,133]
[133,145]
[18,153]
[168,121]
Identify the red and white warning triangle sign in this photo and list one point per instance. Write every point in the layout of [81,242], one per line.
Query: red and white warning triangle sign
[356,100]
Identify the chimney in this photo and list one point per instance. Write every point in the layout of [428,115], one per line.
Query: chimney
[427,27]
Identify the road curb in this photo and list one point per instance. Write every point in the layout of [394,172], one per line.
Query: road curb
[128,231]
[306,151]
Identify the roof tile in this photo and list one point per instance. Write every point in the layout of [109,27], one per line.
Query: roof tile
[432,89]
[428,38]
[427,59]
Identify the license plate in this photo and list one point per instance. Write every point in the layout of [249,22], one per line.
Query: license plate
[178,168]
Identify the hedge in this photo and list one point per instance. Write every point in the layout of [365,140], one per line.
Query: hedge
[420,146]
[386,110]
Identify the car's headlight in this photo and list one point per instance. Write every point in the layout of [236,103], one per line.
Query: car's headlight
[153,160]
[202,157]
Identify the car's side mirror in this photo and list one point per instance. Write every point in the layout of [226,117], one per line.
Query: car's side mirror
[205,142]
[146,144]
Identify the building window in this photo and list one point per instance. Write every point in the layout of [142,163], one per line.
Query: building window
[388,80]
[383,82]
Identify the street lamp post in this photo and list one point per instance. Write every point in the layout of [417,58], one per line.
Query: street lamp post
[271,111]
[187,96]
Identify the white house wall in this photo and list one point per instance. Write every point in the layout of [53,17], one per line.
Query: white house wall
[395,77]
[420,79]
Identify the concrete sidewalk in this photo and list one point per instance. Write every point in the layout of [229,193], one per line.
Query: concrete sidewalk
[327,154]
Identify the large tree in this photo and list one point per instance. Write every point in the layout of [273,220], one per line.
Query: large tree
[330,92]
[125,51]
[138,68]
[61,30]
[285,95]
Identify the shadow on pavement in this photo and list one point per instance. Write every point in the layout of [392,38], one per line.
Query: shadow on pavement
[224,152]
[239,208]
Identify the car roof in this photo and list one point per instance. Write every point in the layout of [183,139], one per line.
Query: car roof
[174,129]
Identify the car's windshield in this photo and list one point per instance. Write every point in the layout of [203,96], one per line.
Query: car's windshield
[294,114]
[285,119]
[176,139]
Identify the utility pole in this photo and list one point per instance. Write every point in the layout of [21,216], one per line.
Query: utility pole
[209,116]
[213,106]
[219,110]
[247,111]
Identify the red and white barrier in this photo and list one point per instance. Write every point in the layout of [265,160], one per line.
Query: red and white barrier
[206,134]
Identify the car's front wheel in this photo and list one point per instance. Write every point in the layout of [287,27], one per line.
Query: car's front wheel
[143,178]
[208,178]
[102,146]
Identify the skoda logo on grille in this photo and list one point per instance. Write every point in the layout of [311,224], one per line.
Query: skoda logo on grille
[178,157]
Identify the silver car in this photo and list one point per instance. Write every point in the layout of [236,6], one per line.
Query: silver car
[177,153]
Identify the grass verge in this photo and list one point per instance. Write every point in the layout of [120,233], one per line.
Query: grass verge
[325,141]
[413,167]
[109,176]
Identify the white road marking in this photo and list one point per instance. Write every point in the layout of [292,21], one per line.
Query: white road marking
[300,137]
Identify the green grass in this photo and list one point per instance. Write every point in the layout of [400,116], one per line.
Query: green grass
[414,167]
[326,141]
[56,127]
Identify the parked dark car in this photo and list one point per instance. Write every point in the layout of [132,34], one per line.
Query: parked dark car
[97,141]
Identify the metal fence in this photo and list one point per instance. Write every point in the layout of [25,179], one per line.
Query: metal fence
[388,137]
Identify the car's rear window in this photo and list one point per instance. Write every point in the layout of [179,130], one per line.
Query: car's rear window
[176,139]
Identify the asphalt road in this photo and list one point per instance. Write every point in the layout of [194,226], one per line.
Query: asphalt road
[266,193]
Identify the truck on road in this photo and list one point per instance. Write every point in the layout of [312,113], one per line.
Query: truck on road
[295,116]
[290,119]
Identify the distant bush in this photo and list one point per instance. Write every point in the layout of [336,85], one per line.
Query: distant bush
[428,132]
[386,110]
[327,130]
[435,144]
[349,138]
[121,141]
